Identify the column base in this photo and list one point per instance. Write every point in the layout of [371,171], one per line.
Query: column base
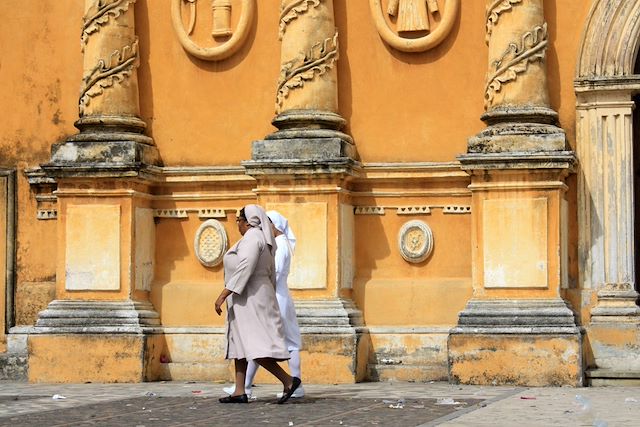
[105,144]
[616,304]
[525,342]
[527,129]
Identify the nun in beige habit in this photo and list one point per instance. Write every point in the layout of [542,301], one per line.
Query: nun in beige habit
[254,328]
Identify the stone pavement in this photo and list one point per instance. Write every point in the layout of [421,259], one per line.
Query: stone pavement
[365,404]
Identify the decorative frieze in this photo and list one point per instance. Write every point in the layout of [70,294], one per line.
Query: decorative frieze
[210,243]
[456,209]
[369,210]
[211,213]
[45,214]
[415,241]
[419,24]
[203,213]
[412,210]
[170,213]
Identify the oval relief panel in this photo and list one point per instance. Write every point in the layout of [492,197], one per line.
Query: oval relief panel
[415,241]
[210,243]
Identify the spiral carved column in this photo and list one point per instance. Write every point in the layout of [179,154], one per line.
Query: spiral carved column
[516,94]
[111,131]
[307,92]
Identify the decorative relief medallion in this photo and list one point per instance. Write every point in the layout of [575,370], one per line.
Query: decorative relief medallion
[515,60]
[221,28]
[414,25]
[293,74]
[210,243]
[107,73]
[415,241]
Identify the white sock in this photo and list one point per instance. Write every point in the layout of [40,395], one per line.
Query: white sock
[294,363]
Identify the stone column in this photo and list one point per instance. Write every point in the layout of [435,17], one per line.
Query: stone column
[307,93]
[302,170]
[106,231]
[516,93]
[111,131]
[517,318]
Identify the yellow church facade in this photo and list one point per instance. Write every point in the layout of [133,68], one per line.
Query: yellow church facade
[460,174]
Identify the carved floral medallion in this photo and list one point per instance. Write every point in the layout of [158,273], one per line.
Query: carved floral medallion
[415,241]
[211,243]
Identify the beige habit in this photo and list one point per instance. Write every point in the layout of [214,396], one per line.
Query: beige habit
[254,326]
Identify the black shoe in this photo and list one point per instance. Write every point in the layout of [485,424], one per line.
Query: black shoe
[286,394]
[242,398]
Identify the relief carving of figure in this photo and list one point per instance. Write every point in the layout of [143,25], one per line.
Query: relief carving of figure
[412,14]
[413,17]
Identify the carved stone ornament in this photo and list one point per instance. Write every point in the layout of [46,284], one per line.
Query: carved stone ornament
[306,67]
[415,241]
[530,48]
[210,243]
[412,18]
[222,10]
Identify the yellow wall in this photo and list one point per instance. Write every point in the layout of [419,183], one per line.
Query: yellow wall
[400,108]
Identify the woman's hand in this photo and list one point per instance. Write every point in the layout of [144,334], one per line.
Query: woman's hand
[221,299]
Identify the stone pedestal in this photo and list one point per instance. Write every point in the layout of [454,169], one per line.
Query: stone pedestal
[97,341]
[517,318]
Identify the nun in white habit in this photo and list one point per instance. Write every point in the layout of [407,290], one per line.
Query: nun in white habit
[254,329]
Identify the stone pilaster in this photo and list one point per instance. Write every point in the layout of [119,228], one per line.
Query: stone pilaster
[517,317]
[100,326]
[604,125]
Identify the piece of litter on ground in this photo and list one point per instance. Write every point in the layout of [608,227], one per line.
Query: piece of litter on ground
[630,400]
[58,397]
[290,423]
[193,407]
[447,401]
[196,391]
[527,398]
[397,406]
[150,394]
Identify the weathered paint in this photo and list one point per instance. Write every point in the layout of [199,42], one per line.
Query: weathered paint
[533,360]
[82,358]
